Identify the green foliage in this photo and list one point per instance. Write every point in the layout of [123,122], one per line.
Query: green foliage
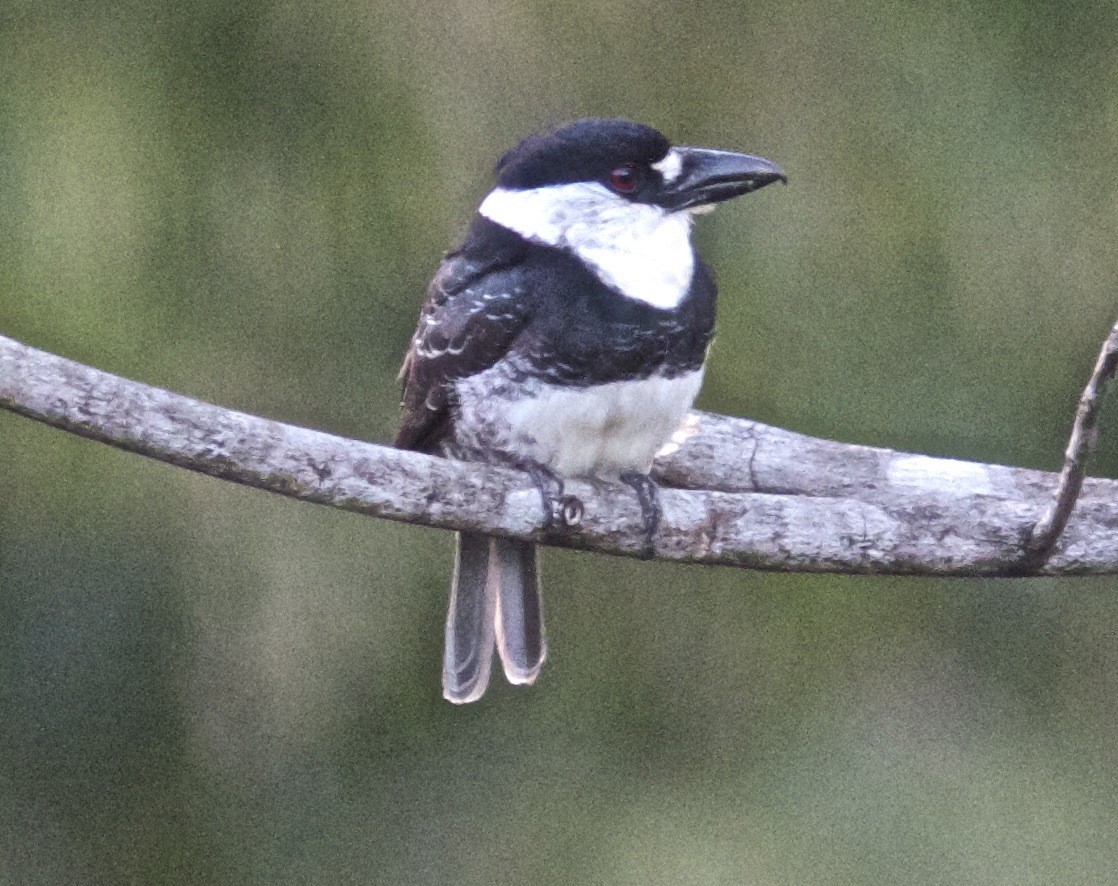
[243,201]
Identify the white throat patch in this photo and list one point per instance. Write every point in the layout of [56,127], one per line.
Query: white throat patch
[642,251]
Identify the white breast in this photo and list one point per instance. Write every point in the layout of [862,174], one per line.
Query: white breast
[642,251]
[601,431]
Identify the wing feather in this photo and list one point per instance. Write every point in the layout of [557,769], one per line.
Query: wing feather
[473,313]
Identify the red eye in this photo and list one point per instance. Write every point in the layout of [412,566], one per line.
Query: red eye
[624,179]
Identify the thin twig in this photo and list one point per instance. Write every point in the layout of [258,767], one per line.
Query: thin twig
[1084,435]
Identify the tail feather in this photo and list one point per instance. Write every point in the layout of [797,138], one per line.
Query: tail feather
[519,617]
[494,600]
[468,654]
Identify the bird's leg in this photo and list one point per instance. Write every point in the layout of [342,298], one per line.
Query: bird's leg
[559,509]
[550,486]
[649,495]
[459,452]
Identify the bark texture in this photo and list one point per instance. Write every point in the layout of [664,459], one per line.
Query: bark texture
[746,494]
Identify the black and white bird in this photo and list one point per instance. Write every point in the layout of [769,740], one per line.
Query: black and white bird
[567,335]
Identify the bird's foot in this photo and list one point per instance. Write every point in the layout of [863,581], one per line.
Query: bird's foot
[649,495]
[560,510]
[550,486]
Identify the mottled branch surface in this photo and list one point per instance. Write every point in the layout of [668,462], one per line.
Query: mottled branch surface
[1084,435]
[748,494]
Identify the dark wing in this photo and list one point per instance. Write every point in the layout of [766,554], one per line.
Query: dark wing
[474,310]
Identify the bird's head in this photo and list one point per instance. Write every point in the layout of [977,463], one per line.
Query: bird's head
[627,163]
[619,196]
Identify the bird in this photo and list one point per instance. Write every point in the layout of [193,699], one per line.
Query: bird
[566,336]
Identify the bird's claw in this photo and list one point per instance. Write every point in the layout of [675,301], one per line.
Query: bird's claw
[648,494]
[550,486]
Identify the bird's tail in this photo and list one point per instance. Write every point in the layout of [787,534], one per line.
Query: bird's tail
[494,600]
[514,565]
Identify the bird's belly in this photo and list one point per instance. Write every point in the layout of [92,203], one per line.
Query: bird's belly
[602,430]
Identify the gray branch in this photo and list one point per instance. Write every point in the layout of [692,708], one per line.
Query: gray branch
[1084,435]
[747,494]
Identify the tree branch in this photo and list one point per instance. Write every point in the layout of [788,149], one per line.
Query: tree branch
[1084,435]
[752,495]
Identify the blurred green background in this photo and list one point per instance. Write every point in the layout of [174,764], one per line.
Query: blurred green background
[243,202]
